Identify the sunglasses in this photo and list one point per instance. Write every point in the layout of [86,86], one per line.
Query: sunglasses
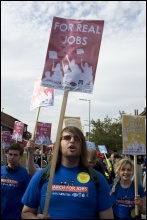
[69,137]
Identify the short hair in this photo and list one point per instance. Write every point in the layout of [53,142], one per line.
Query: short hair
[16,146]
[92,153]
[116,155]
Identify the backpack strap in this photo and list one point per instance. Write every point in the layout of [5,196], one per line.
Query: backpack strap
[95,177]
[45,174]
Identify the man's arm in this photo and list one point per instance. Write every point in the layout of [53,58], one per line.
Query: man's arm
[31,166]
[31,213]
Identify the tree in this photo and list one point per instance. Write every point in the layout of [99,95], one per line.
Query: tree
[107,132]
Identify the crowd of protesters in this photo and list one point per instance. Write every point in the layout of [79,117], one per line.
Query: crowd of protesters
[74,194]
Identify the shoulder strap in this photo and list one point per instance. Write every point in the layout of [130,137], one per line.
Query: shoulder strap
[45,174]
[116,189]
[95,177]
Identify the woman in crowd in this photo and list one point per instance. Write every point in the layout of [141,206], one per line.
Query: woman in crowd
[124,192]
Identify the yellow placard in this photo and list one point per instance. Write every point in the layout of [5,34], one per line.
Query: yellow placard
[73,121]
[134,135]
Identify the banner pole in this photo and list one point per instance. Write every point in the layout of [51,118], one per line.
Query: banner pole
[2,154]
[55,154]
[136,176]
[37,115]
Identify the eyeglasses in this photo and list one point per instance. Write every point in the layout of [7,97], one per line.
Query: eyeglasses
[69,137]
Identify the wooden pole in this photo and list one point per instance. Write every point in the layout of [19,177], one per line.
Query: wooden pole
[1,146]
[37,115]
[136,176]
[34,129]
[55,154]
[2,152]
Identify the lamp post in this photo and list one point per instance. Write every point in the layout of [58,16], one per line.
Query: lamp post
[89,114]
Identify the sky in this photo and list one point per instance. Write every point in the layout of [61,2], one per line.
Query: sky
[120,82]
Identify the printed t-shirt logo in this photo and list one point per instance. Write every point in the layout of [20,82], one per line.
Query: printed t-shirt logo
[83,177]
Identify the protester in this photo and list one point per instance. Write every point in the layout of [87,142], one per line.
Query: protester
[32,168]
[144,181]
[124,192]
[114,157]
[74,194]
[2,163]
[143,165]
[105,164]
[49,158]
[37,157]
[14,181]
[93,162]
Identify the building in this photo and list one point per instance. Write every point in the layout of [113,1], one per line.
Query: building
[143,113]
[7,124]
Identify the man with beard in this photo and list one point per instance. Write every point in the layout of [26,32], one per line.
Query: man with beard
[73,194]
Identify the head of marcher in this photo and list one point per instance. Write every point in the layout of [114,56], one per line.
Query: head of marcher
[92,156]
[72,149]
[114,157]
[14,154]
[125,169]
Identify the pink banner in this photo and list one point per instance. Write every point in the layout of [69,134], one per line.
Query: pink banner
[43,133]
[42,96]
[18,131]
[72,54]
[6,139]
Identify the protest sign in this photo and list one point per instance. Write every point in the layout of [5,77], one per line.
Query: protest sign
[134,135]
[18,131]
[6,139]
[72,54]
[73,121]
[102,149]
[70,65]
[90,145]
[42,96]
[43,133]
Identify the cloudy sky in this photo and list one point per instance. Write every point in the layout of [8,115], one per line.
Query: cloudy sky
[120,78]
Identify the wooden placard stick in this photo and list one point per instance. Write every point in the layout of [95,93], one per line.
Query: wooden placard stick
[2,151]
[37,115]
[136,183]
[135,175]
[55,154]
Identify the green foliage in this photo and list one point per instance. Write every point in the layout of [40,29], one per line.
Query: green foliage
[107,132]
